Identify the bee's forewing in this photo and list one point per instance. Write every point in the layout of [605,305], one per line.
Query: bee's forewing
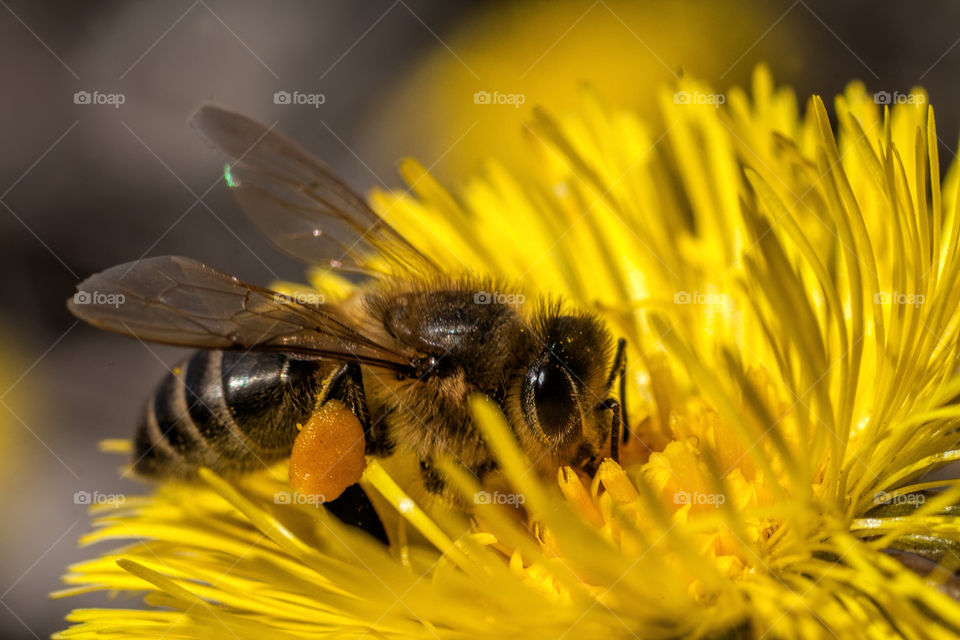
[180,301]
[299,203]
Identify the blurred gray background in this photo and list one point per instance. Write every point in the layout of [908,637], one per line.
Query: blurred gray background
[86,186]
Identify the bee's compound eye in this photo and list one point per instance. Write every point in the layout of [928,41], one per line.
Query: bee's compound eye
[548,398]
[328,454]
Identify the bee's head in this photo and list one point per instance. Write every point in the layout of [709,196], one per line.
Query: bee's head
[566,380]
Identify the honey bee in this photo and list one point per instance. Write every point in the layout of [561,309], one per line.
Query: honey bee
[404,353]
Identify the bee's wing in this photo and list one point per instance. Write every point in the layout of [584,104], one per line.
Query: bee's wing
[299,203]
[175,300]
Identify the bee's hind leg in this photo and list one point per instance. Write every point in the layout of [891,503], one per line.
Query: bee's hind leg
[353,506]
[346,385]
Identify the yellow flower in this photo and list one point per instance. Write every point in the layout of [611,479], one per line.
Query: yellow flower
[790,297]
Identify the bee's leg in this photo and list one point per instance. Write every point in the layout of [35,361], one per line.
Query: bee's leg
[432,481]
[353,506]
[346,385]
[615,422]
[485,468]
[618,421]
[619,370]
[379,442]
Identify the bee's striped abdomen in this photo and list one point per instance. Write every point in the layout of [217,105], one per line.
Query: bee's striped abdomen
[226,410]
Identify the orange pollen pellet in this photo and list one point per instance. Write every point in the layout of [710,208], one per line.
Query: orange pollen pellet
[328,454]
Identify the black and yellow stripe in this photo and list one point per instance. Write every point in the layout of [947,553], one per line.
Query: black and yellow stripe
[227,410]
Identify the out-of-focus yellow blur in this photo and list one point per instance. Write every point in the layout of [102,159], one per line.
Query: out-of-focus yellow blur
[469,98]
[14,401]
